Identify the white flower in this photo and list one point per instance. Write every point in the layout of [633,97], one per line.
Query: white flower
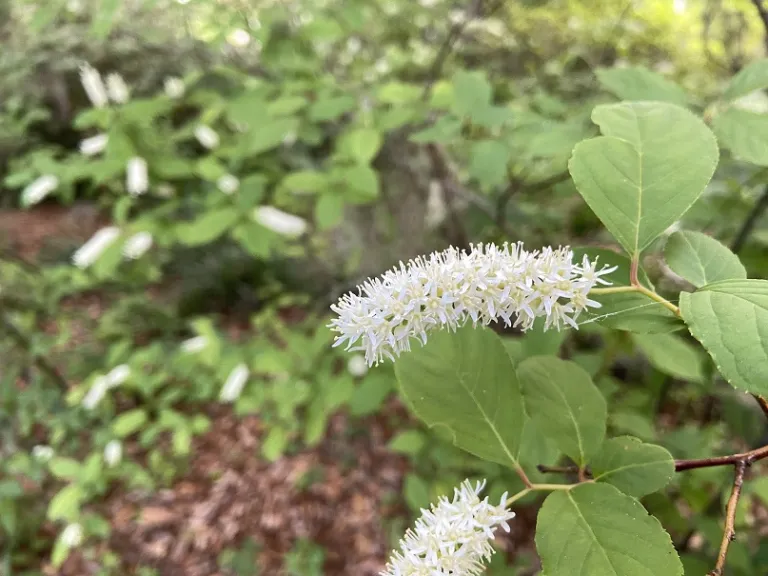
[239,38]
[118,375]
[228,184]
[42,453]
[289,139]
[96,393]
[39,189]
[206,136]
[234,384]
[357,366]
[94,145]
[279,221]
[195,344]
[89,252]
[117,89]
[72,536]
[452,537]
[447,289]
[113,453]
[137,245]
[174,87]
[93,86]
[136,176]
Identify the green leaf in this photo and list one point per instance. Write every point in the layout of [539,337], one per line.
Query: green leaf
[256,239]
[361,181]
[271,134]
[701,259]
[65,468]
[286,106]
[371,394]
[488,163]
[638,83]
[595,530]
[129,422]
[635,468]
[326,109]
[730,318]
[444,130]
[564,404]
[399,93]
[65,505]
[627,311]
[744,133]
[672,355]
[407,442]
[416,492]
[750,78]
[329,211]
[471,93]
[207,227]
[306,182]
[362,144]
[465,382]
[651,164]
[274,444]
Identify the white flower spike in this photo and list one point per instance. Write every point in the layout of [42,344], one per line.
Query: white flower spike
[174,87]
[193,345]
[450,288]
[117,89]
[452,537]
[137,245]
[96,393]
[72,536]
[118,375]
[113,453]
[93,86]
[206,136]
[89,252]
[233,387]
[280,222]
[42,453]
[39,189]
[94,145]
[228,184]
[136,176]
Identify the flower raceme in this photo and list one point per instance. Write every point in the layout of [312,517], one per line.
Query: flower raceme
[453,537]
[449,288]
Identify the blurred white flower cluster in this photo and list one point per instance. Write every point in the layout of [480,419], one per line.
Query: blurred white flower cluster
[103,384]
[447,289]
[451,538]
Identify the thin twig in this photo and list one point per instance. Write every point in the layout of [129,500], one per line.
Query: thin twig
[40,362]
[763,403]
[729,532]
[750,222]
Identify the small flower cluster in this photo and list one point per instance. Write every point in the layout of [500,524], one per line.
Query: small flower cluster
[451,538]
[103,384]
[449,288]
[135,246]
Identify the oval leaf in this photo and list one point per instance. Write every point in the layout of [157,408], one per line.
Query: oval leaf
[129,422]
[207,227]
[744,133]
[651,164]
[730,318]
[632,466]
[701,259]
[465,382]
[750,78]
[672,355]
[564,404]
[638,83]
[595,530]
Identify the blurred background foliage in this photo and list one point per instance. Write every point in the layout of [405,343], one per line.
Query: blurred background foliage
[391,128]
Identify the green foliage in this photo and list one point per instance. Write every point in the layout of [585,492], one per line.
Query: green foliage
[464,382]
[595,529]
[635,186]
[632,466]
[564,404]
[729,318]
[701,259]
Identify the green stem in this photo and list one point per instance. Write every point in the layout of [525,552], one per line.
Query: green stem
[538,487]
[639,288]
